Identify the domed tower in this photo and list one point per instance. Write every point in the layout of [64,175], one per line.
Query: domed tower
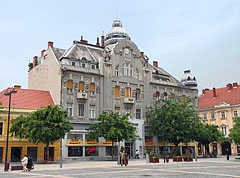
[189,80]
[116,34]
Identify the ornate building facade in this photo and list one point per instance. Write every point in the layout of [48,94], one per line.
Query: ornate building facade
[111,75]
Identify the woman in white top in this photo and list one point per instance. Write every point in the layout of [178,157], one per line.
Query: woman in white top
[24,162]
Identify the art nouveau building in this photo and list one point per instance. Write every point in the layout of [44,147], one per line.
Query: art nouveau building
[218,107]
[89,79]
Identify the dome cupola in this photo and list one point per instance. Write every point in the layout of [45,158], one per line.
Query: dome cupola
[116,34]
[189,80]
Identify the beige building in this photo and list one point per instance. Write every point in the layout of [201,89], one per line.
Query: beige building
[218,107]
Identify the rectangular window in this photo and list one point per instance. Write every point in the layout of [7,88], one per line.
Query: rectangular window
[117,110]
[69,109]
[205,116]
[212,115]
[81,110]
[117,91]
[81,86]
[223,115]
[83,65]
[235,113]
[75,151]
[137,94]
[92,112]
[92,89]
[73,63]
[138,113]
[1,128]
[224,130]
[70,86]
[93,66]
[91,151]
[127,92]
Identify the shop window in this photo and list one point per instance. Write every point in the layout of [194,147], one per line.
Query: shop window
[81,110]
[138,113]
[127,92]
[1,128]
[137,94]
[92,89]
[81,86]
[117,91]
[69,86]
[74,151]
[91,151]
[109,151]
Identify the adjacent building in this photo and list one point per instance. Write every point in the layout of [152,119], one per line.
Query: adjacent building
[111,75]
[23,102]
[218,107]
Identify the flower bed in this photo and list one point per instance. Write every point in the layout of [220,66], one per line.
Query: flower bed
[177,159]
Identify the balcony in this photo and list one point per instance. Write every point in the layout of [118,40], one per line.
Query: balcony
[81,95]
[129,100]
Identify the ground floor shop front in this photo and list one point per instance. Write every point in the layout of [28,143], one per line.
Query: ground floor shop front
[17,149]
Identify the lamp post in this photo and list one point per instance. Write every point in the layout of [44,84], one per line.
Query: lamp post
[6,167]
[163,119]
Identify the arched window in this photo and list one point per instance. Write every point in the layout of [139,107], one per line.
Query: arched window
[117,91]
[116,71]
[69,86]
[81,86]
[92,89]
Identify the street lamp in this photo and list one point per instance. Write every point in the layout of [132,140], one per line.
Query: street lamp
[163,119]
[6,167]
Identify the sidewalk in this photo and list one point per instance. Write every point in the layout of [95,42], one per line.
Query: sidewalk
[81,164]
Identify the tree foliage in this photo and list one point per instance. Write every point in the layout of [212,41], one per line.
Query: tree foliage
[45,125]
[176,119]
[235,131]
[113,127]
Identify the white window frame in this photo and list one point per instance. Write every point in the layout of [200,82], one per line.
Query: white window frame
[212,115]
[73,63]
[116,71]
[81,112]
[92,112]
[223,114]
[205,116]
[138,114]
[224,130]
[69,109]
[235,113]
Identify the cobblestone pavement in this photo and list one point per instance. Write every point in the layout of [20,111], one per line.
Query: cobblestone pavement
[204,167]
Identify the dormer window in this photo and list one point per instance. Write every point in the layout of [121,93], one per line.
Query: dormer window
[83,65]
[73,63]
[93,66]
[116,71]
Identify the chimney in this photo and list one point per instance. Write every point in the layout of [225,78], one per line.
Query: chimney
[50,44]
[17,87]
[235,85]
[42,53]
[203,91]
[98,44]
[229,86]
[102,41]
[82,40]
[155,64]
[214,93]
[35,61]
[142,54]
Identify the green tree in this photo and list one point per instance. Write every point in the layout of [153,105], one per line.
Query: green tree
[112,127]
[45,125]
[235,131]
[174,119]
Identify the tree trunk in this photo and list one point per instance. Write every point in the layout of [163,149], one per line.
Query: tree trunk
[47,152]
[112,150]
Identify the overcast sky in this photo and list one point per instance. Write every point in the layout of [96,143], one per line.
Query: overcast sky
[200,35]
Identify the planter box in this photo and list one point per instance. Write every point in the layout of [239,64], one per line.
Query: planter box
[153,160]
[177,159]
[188,159]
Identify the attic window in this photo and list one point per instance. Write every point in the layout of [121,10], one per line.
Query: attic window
[194,78]
[73,63]
[188,78]
[84,59]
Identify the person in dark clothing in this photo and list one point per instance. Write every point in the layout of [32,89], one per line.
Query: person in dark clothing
[227,153]
[30,163]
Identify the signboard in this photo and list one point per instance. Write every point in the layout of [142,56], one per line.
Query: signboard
[91,143]
[74,143]
[149,143]
[106,143]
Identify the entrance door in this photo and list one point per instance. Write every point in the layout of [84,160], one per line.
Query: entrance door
[51,154]
[129,149]
[1,154]
[32,151]
[225,146]
[16,154]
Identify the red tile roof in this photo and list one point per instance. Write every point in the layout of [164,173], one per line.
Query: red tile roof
[228,94]
[26,98]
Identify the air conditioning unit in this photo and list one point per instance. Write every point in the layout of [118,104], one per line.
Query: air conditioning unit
[81,95]
[129,100]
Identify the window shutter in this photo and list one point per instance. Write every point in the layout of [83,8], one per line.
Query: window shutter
[116,92]
[81,86]
[127,92]
[70,84]
[137,90]
[92,87]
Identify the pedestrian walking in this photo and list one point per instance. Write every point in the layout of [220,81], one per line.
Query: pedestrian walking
[137,154]
[123,159]
[30,163]
[24,163]
[227,153]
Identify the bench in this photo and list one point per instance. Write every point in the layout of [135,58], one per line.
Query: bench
[14,168]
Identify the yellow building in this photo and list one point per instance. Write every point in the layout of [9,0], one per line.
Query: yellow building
[23,102]
[218,107]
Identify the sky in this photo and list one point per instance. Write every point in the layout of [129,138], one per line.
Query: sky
[200,35]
